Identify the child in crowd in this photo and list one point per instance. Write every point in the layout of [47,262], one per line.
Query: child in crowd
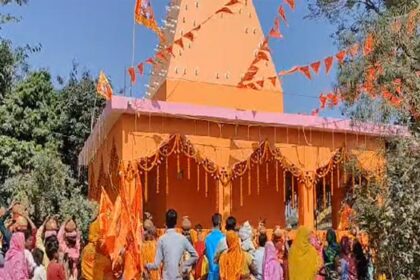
[39,271]
[55,270]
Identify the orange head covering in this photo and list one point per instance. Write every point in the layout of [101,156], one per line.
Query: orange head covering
[304,261]
[231,262]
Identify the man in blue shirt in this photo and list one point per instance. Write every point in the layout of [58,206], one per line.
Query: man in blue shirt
[212,242]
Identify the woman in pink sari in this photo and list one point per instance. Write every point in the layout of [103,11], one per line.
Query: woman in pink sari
[15,265]
[271,265]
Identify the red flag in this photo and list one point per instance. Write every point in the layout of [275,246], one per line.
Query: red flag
[179,43]
[368,46]
[341,56]
[260,83]
[328,64]
[322,100]
[291,4]
[132,74]
[275,34]
[140,67]
[305,71]
[354,49]
[189,36]
[232,2]
[315,66]
[282,13]
[150,61]
[264,45]
[273,80]
[224,10]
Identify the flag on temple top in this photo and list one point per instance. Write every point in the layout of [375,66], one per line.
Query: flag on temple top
[103,87]
[144,15]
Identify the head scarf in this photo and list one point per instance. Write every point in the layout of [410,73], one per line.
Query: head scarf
[271,266]
[345,246]
[231,262]
[333,249]
[15,266]
[245,233]
[304,261]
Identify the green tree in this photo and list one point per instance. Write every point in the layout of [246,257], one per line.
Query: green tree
[387,210]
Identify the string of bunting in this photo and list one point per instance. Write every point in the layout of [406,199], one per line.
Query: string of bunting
[162,55]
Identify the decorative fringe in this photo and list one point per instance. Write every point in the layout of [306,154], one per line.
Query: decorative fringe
[277,176]
[324,193]
[198,177]
[146,185]
[258,179]
[167,175]
[266,173]
[206,184]
[249,178]
[284,186]
[241,197]
[332,182]
[188,168]
[293,191]
[178,164]
[157,178]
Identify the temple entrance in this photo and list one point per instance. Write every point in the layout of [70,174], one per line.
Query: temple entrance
[183,185]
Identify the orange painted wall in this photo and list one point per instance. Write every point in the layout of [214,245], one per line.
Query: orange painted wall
[268,204]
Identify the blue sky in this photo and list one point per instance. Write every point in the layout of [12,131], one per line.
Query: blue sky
[98,35]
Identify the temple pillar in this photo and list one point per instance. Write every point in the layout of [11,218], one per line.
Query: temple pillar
[306,204]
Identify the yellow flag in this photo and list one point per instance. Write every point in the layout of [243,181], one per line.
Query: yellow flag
[103,87]
[144,15]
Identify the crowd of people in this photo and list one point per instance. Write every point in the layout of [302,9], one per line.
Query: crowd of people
[53,252]
[245,253]
[27,252]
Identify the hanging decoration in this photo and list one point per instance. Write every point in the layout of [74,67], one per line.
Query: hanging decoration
[103,86]
[282,14]
[315,66]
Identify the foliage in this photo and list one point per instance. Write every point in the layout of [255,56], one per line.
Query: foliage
[387,210]
[48,188]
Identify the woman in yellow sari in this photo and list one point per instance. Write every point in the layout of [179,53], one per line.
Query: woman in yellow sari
[304,261]
[235,264]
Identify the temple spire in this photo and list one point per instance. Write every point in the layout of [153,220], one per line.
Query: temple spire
[212,52]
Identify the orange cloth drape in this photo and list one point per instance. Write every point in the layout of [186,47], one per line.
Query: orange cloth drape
[231,262]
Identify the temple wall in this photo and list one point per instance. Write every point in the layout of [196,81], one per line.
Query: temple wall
[139,136]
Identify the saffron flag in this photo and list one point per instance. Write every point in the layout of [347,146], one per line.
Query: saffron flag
[132,74]
[105,212]
[315,66]
[305,71]
[140,67]
[103,87]
[328,64]
[144,15]
[291,4]
[282,13]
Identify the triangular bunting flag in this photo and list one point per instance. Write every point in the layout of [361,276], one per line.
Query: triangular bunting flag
[232,2]
[328,64]
[322,100]
[140,67]
[305,71]
[224,10]
[150,61]
[189,36]
[273,80]
[282,13]
[264,45]
[315,66]
[170,50]
[341,56]
[260,83]
[160,55]
[252,85]
[291,4]
[275,34]
[132,74]
[262,56]
[179,42]
[290,71]
[249,76]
